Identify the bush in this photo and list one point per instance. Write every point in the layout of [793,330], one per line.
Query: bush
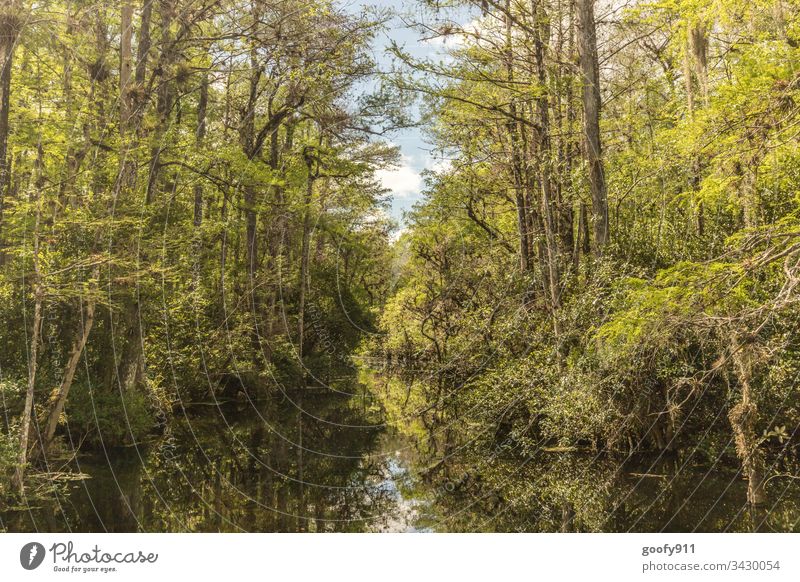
[8,460]
[97,417]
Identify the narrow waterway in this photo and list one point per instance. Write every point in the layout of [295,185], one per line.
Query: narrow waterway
[323,460]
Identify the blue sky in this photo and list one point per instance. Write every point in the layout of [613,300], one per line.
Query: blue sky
[405,181]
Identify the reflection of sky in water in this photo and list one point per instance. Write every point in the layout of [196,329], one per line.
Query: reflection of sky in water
[406,510]
[245,478]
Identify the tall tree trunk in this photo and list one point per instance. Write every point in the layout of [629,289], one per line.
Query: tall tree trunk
[223,250]
[564,117]
[131,368]
[305,251]
[584,226]
[696,79]
[518,171]
[26,426]
[74,155]
[139,102]
[251,256]
[545,166]
[9,30]
[587,49]
[200,134]
[143,48]
[163,98]
[247,136]
[125,66]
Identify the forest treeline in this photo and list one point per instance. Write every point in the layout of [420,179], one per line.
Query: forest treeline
[609,259]
[188,210]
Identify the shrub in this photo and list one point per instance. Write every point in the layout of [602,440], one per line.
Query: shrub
[97,417]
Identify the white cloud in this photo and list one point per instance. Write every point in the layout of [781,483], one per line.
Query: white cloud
[439,165]
[459,36]
[395,235]
[403,181]
[445,41]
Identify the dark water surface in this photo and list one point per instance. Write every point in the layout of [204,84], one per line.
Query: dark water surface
[267,466]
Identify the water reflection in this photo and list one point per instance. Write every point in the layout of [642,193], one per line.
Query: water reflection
[302,463]
[580,493]
[321,461]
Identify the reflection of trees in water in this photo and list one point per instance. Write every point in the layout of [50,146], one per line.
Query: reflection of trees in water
[552,492]
[302,474]
[239,474]
[229,469]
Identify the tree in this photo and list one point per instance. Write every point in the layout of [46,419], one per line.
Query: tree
[587,49]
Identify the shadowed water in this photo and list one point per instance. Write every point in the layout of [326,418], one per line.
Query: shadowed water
[325,461]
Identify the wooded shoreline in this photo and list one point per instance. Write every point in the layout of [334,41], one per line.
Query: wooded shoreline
[606,256]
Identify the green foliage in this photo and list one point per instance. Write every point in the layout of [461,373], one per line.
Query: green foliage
[701,166]
[8,461]
[223,218]
[103,418]
[178,209]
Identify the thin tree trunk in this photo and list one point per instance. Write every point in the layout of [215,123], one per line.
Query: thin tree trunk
[144,43]
[143,49]
[26,425]
[9,29]
[696,76]
[587,49]
[74,155]
[200,135]
[583,240]
[223,250]
[544,151]
[131,368]
[27,414]
[304,258]
[126,65]
[163,99]
[247,136]
[516,156]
